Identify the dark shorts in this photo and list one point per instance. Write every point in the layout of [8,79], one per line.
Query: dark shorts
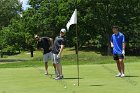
[118,56]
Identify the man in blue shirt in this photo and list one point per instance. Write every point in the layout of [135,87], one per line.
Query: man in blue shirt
[118,45]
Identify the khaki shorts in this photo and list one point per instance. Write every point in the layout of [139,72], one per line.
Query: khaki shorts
[56,60]
[47,56]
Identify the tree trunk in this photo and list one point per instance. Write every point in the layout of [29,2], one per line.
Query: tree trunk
[108,46]
[1,54]
[31,50]
[108,49]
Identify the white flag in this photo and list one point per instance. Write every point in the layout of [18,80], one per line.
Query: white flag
[73,19]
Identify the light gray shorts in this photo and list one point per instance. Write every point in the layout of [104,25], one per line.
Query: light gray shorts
[47,56]
[56,60]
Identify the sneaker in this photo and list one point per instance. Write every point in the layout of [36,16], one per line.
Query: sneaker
[119,75]
[122,75]
[46,73]
[59,77]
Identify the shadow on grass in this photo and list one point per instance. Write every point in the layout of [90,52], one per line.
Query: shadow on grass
[96,85]
[73,78]
[131,76]
[13,60]
[69,78]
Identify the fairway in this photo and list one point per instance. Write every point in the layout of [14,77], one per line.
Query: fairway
[97,78]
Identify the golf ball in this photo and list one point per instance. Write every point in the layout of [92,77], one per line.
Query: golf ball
[65,86]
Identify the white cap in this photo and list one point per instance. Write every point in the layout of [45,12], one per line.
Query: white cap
[63,30]
[36,36]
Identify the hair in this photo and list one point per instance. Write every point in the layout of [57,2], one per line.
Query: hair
[115,27]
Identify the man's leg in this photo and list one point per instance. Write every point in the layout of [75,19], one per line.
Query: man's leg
[115,56]
[59,68]
[122,66]
[119,68]
[46,68]
[54,66]
[53,57]
[46,57]
[55,69]
[61,74]
[58,65]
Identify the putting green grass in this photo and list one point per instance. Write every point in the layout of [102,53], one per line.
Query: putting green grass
[97,78]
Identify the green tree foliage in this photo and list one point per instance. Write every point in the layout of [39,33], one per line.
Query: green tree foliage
[95,19]
[8,10]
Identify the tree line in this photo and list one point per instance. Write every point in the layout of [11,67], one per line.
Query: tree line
[47,17]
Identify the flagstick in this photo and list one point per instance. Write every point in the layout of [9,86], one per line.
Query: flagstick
[77,48]
[73,20]
[77,54]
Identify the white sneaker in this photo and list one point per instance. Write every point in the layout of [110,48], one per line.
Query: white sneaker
[119,75]
[46,73]
[122,75]
[59,77]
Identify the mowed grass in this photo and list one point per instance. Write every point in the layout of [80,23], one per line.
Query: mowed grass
[23,74]
[97,78]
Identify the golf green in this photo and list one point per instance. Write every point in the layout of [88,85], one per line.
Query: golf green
[99,78]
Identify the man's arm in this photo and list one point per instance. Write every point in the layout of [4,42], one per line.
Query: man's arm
[39,46]
[123,48]
[123,45]
[111,42]
[60,52]
[51,43]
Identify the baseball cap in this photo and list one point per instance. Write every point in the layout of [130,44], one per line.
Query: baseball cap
[36,36]
[63,30]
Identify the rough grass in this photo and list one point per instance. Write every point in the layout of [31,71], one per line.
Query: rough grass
[68,58]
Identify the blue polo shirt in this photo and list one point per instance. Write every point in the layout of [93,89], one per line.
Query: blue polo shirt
[117,40]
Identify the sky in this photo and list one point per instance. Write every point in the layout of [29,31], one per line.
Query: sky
[24,4]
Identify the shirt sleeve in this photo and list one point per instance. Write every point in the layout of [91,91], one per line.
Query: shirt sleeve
[63,42]
[123,39]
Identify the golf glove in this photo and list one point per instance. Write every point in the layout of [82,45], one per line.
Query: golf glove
[58,56]
[123,52]
[112,45]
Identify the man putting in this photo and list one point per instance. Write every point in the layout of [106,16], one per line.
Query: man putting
[118,45]
[45,44]
[57,49]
